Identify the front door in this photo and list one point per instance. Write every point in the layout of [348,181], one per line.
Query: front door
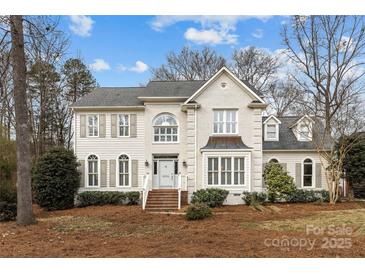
[166,173]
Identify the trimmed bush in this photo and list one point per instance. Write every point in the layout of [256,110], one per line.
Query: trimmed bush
[7,191]
[90,198]
[133,197]
[213,197]
[7,211]
[279,184]
[198,211]
[56,179]
[254,198]
[308,196]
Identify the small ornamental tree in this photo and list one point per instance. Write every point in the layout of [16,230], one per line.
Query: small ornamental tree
[279,184]
[56,179]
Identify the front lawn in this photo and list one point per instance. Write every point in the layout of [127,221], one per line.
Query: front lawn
[233,231]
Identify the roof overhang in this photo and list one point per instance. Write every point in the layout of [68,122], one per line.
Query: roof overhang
[162,99]
[215,76]
[257,105]
[299,120]
[272,117]
[106,108]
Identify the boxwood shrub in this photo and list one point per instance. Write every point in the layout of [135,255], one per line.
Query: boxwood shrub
[89,198]
[213,197]
[56,179]
[254,198]
[308,196]
[7,211]
[198,211]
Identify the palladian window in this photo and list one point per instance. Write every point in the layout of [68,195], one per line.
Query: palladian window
[165,129]
[92,161]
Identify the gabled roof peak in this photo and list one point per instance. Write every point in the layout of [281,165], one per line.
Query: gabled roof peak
[272,116]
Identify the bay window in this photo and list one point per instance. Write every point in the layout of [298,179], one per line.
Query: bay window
[226,171]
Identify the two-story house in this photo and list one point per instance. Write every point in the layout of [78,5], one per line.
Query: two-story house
[183,136]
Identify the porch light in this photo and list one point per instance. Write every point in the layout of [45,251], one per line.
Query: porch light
[146,163]
[185,164]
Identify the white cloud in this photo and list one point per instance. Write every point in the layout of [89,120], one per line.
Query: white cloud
[162,21]
[213,29]
[81,25]
[210,36]
[139,67]
[99,65]
[258,33]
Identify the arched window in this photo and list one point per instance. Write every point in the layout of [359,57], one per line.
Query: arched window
[307,173]
[123,170]
[274,160]
[165,129]
[92,170]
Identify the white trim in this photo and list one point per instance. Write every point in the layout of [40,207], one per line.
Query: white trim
[129,125]
[216,75]
[225,121]
[273,158]
[117,181]
[153,129]
[299,120]
[247,163]
[87,125]
[74,137]
[272,117]
[313,173]
[276,132]
[106,107]
[87,171]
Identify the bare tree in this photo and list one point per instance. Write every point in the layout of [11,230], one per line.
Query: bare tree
[329,53]
[24,195]
[189,65]
[256,66]
[283,96]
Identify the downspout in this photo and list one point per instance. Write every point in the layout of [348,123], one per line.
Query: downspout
[196,145]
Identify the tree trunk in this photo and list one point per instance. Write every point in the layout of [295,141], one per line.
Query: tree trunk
[24,193]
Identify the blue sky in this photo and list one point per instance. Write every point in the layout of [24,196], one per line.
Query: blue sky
[120,50]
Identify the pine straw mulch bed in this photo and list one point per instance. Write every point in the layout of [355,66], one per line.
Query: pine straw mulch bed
[233,231]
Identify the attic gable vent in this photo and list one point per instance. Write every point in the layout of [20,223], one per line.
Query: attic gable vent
[224,85]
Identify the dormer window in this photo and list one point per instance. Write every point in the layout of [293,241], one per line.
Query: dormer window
[304,133]
[271,128]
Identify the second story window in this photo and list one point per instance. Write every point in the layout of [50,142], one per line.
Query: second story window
[165,129]
[225,122]
[304,133]
[93,126]
[123,125]
[271,132]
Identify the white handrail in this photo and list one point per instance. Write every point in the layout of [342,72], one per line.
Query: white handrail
[146,189]
[179,190]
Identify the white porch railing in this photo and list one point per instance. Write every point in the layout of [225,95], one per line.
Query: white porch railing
[181,186]
[147,186]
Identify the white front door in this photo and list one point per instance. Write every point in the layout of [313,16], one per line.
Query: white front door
[166,173]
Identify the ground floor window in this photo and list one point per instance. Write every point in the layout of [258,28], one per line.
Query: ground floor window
[307,173]
[92,170]
[226,170]
[123,170]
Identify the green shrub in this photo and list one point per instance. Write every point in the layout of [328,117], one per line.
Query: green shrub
[56,179]
[254,198]
[7,211]
[213,197]
[308,196]
[279,184]
[89,198]
[198,211]
[133,197]
[7,191]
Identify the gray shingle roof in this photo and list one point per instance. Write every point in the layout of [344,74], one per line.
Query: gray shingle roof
[287,139]
[128,96]
[231,142]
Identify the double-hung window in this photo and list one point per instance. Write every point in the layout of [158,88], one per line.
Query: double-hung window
[225,121]
[124,125]
[93,125]
[308,173]
[123,170]
[92,170]
[226,171]
[271,132]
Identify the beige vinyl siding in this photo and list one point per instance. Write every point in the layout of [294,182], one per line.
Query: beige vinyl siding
[109,148]
[292,158]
